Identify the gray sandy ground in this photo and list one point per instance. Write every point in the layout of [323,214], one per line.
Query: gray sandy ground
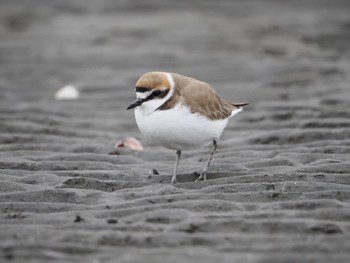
[279,184]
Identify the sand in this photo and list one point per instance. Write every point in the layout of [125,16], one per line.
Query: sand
[279,184]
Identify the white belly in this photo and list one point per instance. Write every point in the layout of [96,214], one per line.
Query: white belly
[178,128]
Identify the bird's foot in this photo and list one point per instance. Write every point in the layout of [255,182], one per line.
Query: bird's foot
[174,181]
[203,177]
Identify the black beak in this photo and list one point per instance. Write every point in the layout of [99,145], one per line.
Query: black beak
[136,103]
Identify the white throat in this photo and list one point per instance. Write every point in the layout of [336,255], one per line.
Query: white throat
[150,106]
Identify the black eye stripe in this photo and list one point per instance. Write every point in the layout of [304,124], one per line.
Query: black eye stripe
[160,93]
[141,89]
[156,93]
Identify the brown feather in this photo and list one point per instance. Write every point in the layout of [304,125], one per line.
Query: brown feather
[153,80]
[201,98]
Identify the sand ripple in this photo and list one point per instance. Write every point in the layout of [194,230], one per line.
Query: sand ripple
[279,184]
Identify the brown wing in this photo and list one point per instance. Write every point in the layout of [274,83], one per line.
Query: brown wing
[201,98]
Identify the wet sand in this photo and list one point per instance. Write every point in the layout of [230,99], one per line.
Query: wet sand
[279,184]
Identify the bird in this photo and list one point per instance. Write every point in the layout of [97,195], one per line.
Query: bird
[181,113]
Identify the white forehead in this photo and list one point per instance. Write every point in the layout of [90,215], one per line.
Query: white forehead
[143,95]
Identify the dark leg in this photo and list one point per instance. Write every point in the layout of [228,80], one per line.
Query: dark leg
[206,167]
[178,155]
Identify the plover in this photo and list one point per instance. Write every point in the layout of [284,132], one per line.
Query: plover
[181,113]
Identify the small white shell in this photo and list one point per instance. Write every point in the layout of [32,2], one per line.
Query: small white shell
[68,92]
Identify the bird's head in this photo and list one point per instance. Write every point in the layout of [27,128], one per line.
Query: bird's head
[153,89]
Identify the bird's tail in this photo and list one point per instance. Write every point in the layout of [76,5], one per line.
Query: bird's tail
[239,105]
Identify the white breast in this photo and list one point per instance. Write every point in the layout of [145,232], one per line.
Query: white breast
[178,128]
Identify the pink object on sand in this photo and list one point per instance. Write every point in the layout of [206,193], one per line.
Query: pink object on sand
[131,143]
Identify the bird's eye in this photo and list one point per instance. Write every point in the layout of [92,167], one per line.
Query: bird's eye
[156,93]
